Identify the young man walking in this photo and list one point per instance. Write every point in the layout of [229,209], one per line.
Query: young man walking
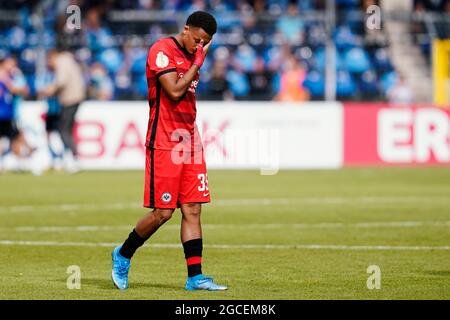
[175,174]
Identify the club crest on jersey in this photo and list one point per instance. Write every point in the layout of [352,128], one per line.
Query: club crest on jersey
[162,60]
[166,197]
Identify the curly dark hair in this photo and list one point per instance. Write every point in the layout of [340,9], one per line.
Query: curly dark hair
[204,20]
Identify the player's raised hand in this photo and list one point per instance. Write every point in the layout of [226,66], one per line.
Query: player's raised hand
[206,48]
[199,55]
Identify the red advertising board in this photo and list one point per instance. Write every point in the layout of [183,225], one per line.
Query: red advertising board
[380,134]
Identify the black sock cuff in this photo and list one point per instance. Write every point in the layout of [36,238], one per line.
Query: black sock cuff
[137,238]
[193,248]
[133,242]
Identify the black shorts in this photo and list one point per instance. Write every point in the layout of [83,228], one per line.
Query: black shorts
[52,122]
[8,129]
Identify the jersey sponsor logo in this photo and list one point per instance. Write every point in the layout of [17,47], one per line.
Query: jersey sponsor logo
[162,60]
[166,197]
[192,88]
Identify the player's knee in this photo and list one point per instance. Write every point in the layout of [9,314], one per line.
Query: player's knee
[164,214]
[192,209]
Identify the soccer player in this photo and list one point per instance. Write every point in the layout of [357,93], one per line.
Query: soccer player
[7,132]
[12,87]
[52,123]
[175,173]
[70,89]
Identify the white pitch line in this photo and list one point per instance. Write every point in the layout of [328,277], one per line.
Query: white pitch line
[324,225]
[232,247]
[234,202]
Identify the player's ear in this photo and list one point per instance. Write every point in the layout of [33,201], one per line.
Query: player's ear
[186,29]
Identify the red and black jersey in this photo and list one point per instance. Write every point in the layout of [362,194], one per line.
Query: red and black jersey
[171,124]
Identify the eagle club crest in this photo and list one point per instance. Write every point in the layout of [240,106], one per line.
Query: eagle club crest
[166,197]
[162,60]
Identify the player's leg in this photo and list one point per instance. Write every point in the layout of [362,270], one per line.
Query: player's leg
[160,192]
[144,229]
[191,237]
[54,140]
[66,129]
[193,192]
[122,254]
[190,221]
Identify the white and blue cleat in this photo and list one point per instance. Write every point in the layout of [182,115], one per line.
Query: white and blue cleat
[200,282]
[120,268]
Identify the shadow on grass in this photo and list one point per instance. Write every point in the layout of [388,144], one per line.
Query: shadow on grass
[107,284]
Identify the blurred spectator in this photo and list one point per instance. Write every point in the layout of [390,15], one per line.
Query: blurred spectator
[238,83]
[260,81]
[401,92]
[244,58]
[70,89]
[14,88]
[196,5]
[218,88]
[292,78]
[250,29]
[20,146]
[7,129]
[291,26]
[101,86]
[52,123]
[98,37]
[345,85]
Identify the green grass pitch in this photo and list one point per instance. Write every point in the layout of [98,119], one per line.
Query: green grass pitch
[294,235]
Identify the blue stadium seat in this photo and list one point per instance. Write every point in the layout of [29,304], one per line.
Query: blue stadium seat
[246,57]
[388,80]
[344,37]
[348,3]
[368,84]
[111,58]
[139,63]
[381,60]
[16,38]
[238,83]
[100,39]
[320,59]
[345,85]
[356,60]
[141,85]
[315,83]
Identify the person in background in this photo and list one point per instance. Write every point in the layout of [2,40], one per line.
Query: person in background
[401,92]
[292,78]
[6,114]
[101,86]
[20,146]
[13,88]
[70,89]
[52,125]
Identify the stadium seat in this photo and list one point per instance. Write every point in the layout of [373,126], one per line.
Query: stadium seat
[111,58]
[315,83]
[388,80]
[356,60]
[345,86]
[238,83]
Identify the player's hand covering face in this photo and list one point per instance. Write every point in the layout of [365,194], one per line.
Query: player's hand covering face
[193,37]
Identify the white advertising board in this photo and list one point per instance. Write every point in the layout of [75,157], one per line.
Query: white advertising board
[236,135]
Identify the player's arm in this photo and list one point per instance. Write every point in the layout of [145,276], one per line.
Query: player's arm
[176,88]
